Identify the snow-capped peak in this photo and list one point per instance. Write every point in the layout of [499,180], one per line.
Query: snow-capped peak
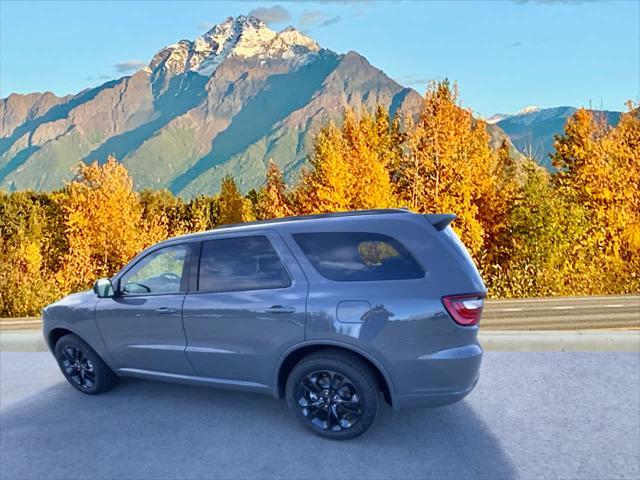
[498,117]
[528,109]
[242,36]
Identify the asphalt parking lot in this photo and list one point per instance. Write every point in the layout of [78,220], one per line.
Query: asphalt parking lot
[533,415]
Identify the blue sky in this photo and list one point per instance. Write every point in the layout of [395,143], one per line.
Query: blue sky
[504,54]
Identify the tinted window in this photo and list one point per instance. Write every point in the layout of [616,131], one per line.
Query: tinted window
[158,272]
[241,263]
[358,256]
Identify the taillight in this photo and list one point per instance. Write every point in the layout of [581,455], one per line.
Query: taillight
[464,309]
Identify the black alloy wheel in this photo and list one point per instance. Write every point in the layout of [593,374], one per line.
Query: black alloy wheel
[333,393]
[329,400]
[82,366]
[78,367]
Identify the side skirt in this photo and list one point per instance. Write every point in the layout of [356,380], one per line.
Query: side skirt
[195,380]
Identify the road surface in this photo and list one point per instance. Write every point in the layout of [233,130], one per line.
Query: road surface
[533,415]
[562,313]
[559,313]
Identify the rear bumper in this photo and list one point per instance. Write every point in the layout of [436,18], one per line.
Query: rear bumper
[402,402]
[434,378]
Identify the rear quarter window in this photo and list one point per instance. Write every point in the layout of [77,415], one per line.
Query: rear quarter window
[358,256]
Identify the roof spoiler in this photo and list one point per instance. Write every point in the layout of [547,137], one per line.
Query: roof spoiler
[440,220]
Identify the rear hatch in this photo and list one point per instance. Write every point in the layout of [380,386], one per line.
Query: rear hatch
[464,295]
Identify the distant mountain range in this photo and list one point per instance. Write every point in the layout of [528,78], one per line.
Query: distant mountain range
[224,103]
[532,129]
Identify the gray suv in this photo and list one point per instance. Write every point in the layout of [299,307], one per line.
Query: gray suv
[324,310]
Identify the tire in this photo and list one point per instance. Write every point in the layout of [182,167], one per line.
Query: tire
[334,394]
[82,367]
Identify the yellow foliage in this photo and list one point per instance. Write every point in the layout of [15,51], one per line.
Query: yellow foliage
[576,231]
[449,165]
[273,201]
[232,206]
[102,224]
[348,168]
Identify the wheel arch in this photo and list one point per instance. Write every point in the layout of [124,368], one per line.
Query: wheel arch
[56,333]
[292,356]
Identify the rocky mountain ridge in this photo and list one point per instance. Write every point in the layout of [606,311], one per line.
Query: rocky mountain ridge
[224,103]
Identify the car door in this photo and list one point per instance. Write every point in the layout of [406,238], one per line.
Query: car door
[142,324]
[249,308]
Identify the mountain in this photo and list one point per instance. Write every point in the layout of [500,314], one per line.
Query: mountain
[224,103]
[532,130]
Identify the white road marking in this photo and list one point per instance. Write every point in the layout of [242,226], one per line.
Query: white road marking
[617,305]
[563,308]
[508,310]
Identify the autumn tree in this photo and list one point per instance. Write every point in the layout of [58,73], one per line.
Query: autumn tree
[272,199]
[598,169]
[102,219]
[163,215]
[539,251]
[448,165]
[495,202]
[348,168]
[232,206]
[201,213]
[25,236]
[367,146]
[326,186]
[623,147]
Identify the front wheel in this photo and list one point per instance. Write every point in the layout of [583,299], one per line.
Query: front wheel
[334,394]
[82,367]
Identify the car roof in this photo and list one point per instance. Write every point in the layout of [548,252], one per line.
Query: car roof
[323,217]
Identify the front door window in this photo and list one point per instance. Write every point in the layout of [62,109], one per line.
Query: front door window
[159,272]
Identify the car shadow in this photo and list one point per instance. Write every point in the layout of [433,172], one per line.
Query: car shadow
[146,429]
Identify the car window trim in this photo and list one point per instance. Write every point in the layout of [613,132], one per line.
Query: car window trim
[247,235]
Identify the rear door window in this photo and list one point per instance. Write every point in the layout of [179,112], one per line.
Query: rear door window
[240,263]
[358,256]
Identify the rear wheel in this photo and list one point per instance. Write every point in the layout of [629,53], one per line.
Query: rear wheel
[82,367]
[334,394]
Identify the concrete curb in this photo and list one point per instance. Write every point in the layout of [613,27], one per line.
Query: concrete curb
[492,341]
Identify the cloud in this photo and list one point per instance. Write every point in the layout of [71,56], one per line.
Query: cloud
[413,80]
[129,66]
[314,18]
[275,14]
[330,21]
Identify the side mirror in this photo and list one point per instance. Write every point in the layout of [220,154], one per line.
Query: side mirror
[103,288]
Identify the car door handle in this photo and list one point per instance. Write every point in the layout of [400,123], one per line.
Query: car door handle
[165,310]
[279,309]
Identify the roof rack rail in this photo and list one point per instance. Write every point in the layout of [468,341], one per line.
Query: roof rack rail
[353,213]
